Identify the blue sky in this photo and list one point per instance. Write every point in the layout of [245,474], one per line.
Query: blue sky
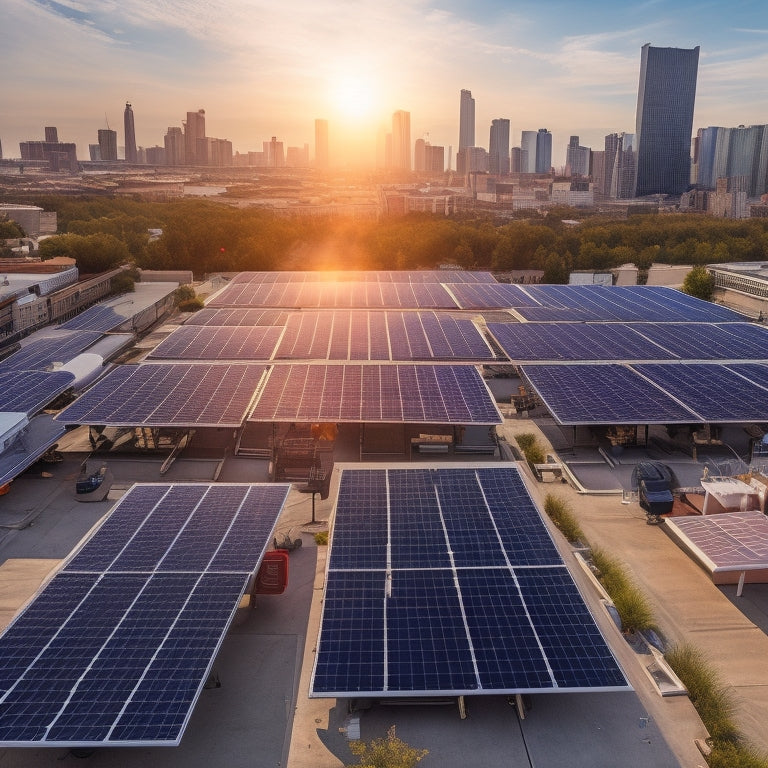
[263,68]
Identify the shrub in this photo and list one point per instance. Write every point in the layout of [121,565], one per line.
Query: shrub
[190,305]
[562,516]
[389,752]
[321,538]
[529,445]
[632,605]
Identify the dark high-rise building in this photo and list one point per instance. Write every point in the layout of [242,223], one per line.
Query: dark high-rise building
[543,151]
[60,156]
[108,145]
[131,155]
[466,120]
[51,133]
[577,158]
[664,121]
[498,147]
[434,158]
[174,146]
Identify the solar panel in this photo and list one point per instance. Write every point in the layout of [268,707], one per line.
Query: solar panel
[708,341]
[30,391]
[98,318]
[525,342]
[190,342]
[168,394]
[248,317]
[431,591]
[429,394]
[491,295]
[605,394]
[108,656]
[713,391]
[41,353]
[28,446]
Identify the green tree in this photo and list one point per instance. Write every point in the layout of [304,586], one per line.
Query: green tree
[93,253]
[10,230]
[390,752]
[699,283]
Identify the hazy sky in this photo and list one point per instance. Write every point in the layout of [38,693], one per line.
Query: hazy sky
[263,68]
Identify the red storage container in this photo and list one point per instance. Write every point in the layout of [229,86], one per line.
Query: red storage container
[272,577]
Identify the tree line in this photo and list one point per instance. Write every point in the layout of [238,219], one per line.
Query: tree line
[207,236]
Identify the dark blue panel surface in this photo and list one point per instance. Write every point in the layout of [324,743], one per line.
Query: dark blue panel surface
[350,654]
[360,529]
[30,391]
[604,394]
[427,644]
[578,654]
[505,646]
[204,342]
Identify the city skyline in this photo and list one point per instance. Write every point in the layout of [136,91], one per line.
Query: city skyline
[260,72]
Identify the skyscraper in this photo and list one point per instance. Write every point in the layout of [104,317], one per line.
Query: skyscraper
[131,156]
[664,120]
[577,158]
[174,146]
[194,129]
[51,133]
[466,120]
[108,144]
[321,144]
[401,140]
[543,151]
[498,147]
[528,152]
[420,155]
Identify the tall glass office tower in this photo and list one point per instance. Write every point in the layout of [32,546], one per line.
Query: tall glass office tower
[131,154]
[466,120]
[664,121]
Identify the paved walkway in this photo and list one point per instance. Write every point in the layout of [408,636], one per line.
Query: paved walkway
[688,606]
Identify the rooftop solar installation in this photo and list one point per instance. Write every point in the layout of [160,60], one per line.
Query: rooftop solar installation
[708,341]
[490,295]
[30,391]
[422,394]
[169,394]
[205,342]
[526,342]
[115,650]
[367,276]
[97,318]
[447,582]
[377,335]
[605,394]
[28,446]
[247,317]
[713,391]
[334,295]
[732,541]
[41,353]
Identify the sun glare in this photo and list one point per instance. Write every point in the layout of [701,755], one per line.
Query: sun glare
[353,97]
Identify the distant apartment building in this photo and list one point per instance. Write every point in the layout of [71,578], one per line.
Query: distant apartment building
[60,156]
[108,145]
[543,151]
[731,153]
[528,141]
[322,157]
[152,156]
[175,146]
[297,157]
[620,159]
[577,158]
[401,140]
[94,152]
[434,159]
[274,153]
[466,120]
[498,147]
[194,129]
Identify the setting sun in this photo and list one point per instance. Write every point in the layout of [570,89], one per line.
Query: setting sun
[353,97]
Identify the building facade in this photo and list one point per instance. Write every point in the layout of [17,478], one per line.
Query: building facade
[498,147]
[401,140]
[664,119]
[466,120]
[194,129]
[108,145]
[131,153]
[543,151]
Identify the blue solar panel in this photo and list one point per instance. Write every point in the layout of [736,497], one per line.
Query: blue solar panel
[708,341]
[30,391]
[116,648]
[204,342]
[391,393]
[245,317]
[41,353]
[575,341]
[168,394]
[466,594]
[604,394]
[98,318]
[713,391]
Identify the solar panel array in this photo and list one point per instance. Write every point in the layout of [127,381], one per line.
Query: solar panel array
[366,276]
[246,317]
[382,393]
[334,295]
[371,335]
[204,342]
[30,391]
[116,649]
[169,394]
[619,342]
[447,582]
[97,318]
[40,354]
